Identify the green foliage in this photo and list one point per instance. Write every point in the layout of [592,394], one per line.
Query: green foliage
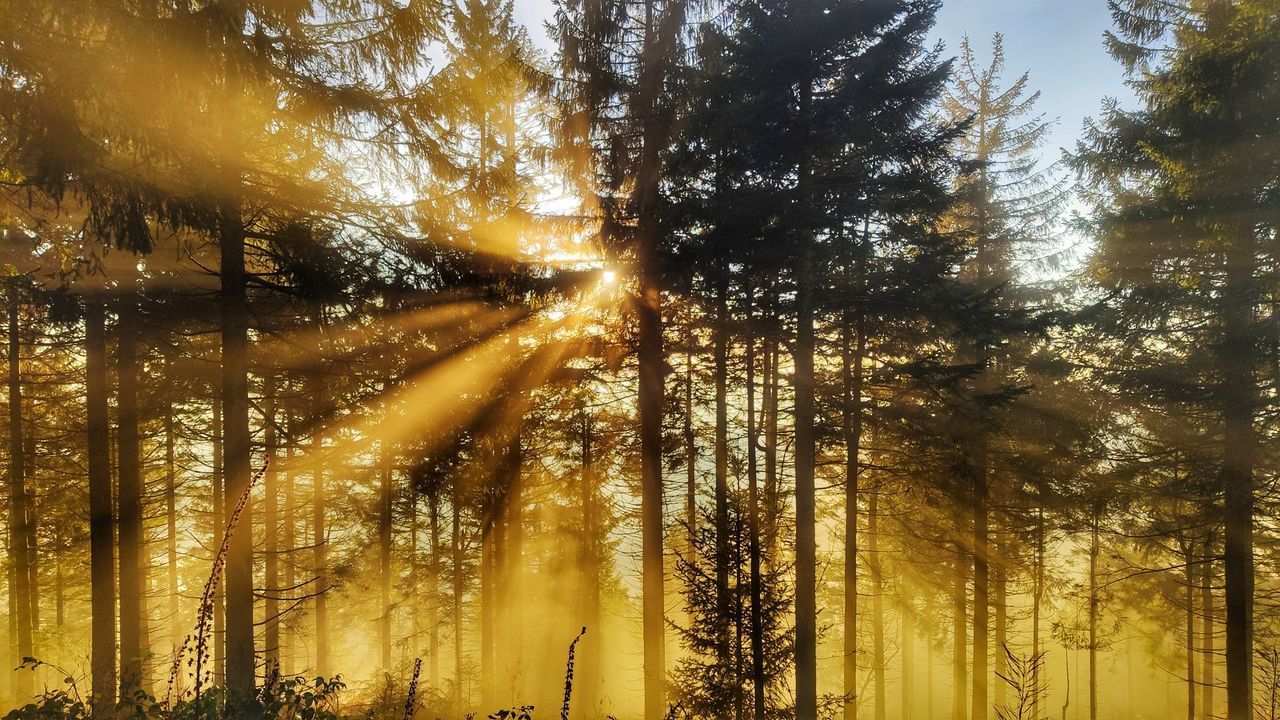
[1022,676]
[714,679]
[281,698]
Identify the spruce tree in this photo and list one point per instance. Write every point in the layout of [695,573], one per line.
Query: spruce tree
[1183,195]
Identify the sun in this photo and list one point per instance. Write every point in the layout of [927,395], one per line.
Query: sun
[609,277]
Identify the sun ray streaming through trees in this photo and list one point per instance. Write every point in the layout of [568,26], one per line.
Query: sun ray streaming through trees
[675,360]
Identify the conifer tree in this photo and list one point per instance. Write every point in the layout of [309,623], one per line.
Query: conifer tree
[1183,191]
[616,61]
[1006,211]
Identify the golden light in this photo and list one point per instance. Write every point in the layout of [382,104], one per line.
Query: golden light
[609,277]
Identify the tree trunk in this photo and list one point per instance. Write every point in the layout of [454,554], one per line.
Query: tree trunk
[415,571]
[271,536]
[877,604]
[1239,396]
[999,584]
[287,637]
[219,527]
[433,508]
[515,570]
[959,626]
[928,669]
[171,535]
[651,404]
[651,363]
[59,581]
[511,601]
[1190,579]
[593,642]
[981,601]
[771,494]
[756,580]
[1037,599]
[20,532]
[9,677]
[490,544]
[236,445]
[806,601]
[455,546]
[32,523]
[690,450]
[319,553]
[1093,613]
[130,500]
[721,360]
[384,563]
[851,366]
[1207,639]
[908,659]
[101,532]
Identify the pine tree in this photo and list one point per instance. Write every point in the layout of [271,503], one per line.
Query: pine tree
[616,126]
[1007,210]
[1182,190]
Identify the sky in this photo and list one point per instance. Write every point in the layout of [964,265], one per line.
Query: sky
[1058,41]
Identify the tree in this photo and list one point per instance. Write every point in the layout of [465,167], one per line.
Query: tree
[1008,206]
[1181,191]
[617,123]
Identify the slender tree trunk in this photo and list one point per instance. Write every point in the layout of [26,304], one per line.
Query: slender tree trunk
[516,560]
[1240,400]
[1189,578]
[981,584]
[1037,600]
[590,657]
[721,360]
[854,348]
[384,563]
[651,364]
[908,660]
[756,580]
[319,554]
[20,531]
[236,440]
[978,460]
[59,581]
[513,567]
[32,524]
[806,601]
[771,494]
[959,626]
[130,499]
[877,604]
[1207,639]
[690,449]
[287,637]
[651,403]
[490,550]
[171,534]
[9,677]
[999,584]
[1093,613]
[433,508]
[455,546]
[101,521]
[928,669]
[219,527]
[271,521]
[414,589]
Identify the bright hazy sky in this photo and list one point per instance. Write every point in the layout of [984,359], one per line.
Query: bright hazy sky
[1058,41]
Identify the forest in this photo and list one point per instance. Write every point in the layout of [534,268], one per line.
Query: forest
[710,359]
